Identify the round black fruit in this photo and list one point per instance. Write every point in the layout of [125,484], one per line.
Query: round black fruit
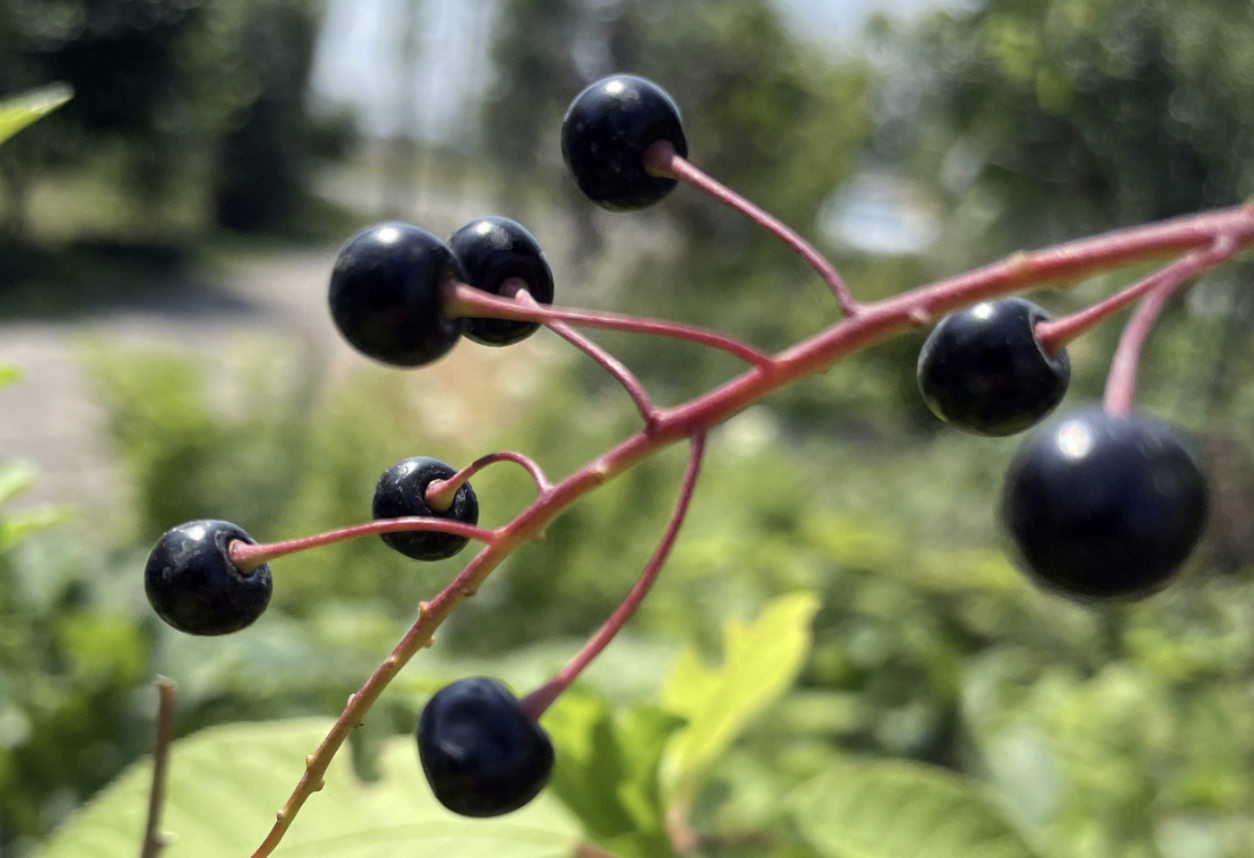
[1104,507]
[605,133]
[983,369]
[402,492]
[480,753]
[193,585]
[490,251]
[385,294]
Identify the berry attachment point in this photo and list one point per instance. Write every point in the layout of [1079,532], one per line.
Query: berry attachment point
[1099,506]
[985,371]
[490,251]
[385,295]
[605,134]
[402,492]
[482,756]
[193,585]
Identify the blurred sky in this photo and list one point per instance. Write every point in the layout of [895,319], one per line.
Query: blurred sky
[361,43]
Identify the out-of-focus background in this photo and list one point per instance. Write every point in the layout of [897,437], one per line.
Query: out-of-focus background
[165,244]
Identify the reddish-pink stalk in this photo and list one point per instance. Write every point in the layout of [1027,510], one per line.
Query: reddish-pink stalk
[248,557]
[661,159]
[874,322]
[1121,382]
[440,493]
[167,699]
[465,301]
[535,704]
[1056,334]
[517,289]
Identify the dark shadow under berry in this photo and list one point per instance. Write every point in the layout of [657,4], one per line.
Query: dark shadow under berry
[193,585]
[605,134]
[984,371]
[491,250]
[401,492]
[1099,506]
[385,295]
[482,756]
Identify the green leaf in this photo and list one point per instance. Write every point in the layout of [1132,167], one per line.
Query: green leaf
[901,810]
[225,784]
[14,528]
[607,770]
[17,113]
[15,478]
[761,662]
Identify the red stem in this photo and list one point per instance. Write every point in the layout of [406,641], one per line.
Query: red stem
[516,288]
[167,698]
[873,323]
[461,300]
[535,704]
[1121,382]
[248,557]
[440,493]
[661,159]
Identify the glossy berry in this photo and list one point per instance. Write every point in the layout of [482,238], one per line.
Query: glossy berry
[385,294]
[984,370]
[605,133]
[402,491]
[193,585]
[490,251]
[480,753]
[1100,507]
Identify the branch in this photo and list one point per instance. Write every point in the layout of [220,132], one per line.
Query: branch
[154,840]
[539,700]
[873,323]
[440,493]
[661,159]
[466,301]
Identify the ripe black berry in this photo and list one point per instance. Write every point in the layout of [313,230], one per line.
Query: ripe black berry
[385,294]
[480,753]
[984,370]
[402,492]
[605,133]
[1100,506]
[193,585]
[490,251]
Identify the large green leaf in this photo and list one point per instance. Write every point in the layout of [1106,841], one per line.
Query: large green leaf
[226,783]
[761,662]
[607,771]
[17,113]
[901,810]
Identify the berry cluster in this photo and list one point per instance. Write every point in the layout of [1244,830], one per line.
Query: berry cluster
[1103,503]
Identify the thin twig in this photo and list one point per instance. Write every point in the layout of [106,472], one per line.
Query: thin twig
[154,840]
[1121,382]
[662,159]
[440,493]
[538,701]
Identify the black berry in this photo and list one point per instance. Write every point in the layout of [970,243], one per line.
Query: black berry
[402,492]
[984,370]
[490,251]
[193,585]
[605,133]
[1099,506]
[385,294]
[480,753]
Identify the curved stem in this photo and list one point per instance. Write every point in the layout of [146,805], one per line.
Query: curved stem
[154,840]
[873,323]
[661,159]
[1121,382]
[461,300]
[534,704]
[516,288]
[248,557]
[1056,334]
[440,493]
